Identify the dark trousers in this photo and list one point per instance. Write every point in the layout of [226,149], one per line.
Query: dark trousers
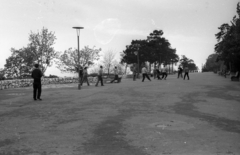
[81,77]
[134,76]
[99,79]
[145,75]
[186,74]
[37,90]
[154,75]
[164,75]
[115,78]
[85,78]
[158,76]
[180,74]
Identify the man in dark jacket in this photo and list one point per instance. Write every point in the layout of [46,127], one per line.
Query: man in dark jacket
[186,70]
[180,70]
[37,86]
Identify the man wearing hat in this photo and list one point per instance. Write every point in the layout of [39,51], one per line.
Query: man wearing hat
[37,86]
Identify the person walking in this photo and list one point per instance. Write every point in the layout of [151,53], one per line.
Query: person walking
[37,86]
[81,73]
[186,71]
[115,74]
[85,76]
[145,74]
[164,73]
[158,74]
[134,70]
[100,72]
[155,72]
[180,71]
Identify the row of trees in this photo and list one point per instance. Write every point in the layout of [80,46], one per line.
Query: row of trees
[40,50]
[227,50]
[212,63]
[155,50]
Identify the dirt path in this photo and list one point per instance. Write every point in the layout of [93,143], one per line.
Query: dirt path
[174,116]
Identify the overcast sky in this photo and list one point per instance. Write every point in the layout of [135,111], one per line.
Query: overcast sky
[189,25]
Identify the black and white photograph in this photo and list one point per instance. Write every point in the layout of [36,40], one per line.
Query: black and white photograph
[119,77]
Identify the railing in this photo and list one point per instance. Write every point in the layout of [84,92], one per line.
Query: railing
[18,83]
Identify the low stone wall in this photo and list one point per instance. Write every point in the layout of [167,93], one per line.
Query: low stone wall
[18,83]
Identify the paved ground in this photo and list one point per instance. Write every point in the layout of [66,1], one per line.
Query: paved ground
[200,116]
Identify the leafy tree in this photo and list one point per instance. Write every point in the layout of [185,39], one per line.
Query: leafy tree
[39,50]
[20,63]
[192,66]
[228,46]
[41,44]
[184,61]
[68,61]
[155,49]
[212,63]
[2,74]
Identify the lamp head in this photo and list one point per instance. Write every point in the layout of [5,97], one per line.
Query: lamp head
[78,30]
[78,27]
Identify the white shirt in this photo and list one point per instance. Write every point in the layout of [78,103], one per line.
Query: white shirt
[115,71]
[144,70]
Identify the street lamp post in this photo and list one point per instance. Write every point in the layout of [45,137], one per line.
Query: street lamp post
[78,34]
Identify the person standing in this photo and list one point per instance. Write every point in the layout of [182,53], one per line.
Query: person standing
[180,71]
[154,72]
[115,74]
[134,70]
[85,76]
[37,86]
[164,73]
[81,73]
[100,72]
[186,71]
[145,74]
[158,74]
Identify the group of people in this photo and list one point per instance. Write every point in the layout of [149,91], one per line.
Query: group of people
[83,74]
[181,70]
[159,73]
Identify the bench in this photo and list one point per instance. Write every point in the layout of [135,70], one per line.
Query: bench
[110,78]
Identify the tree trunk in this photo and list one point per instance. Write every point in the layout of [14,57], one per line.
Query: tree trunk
[150,67]
[126,68]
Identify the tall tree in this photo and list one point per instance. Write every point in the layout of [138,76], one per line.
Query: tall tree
[155,49]
[212,63]
[41,44]
[108,60]
[184,61]
[68,61]
[20,63]
[39,50]
[228,46]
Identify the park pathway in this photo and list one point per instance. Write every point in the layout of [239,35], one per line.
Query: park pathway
[200,116]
